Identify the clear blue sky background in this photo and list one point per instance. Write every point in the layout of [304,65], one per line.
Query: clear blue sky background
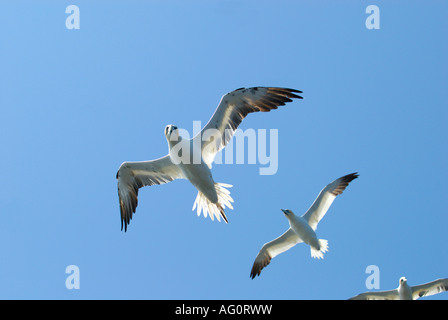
[75,104]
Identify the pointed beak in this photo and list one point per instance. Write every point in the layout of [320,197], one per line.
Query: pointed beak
[284,211]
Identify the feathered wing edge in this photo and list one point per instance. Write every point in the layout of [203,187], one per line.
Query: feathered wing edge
[273,248]
[132,176]
[326,197]
[233,108]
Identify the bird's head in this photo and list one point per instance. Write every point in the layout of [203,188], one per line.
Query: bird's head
[403,281]
[288,213]
[171,133]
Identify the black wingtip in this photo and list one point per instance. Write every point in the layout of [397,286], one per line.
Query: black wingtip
[290,93]
[125,224]
[351,176]
[343,182]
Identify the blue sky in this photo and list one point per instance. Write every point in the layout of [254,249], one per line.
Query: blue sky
[75,104]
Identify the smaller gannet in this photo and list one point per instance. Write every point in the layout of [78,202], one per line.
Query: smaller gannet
[406,292]
[302,229]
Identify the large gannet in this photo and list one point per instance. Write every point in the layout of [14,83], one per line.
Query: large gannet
[180,163]
[302,229]
[405,291]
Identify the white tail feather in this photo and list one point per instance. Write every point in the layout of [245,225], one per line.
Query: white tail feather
[212,209]
[319,254]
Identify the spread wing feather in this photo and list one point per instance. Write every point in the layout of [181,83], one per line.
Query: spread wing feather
[132,176]
[233,108]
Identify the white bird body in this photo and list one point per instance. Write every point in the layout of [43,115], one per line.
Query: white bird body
[303,229]
[192,159]
[197,172]
[201,177]
[405,291]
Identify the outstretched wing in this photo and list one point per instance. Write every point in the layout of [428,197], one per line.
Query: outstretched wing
[378,295]
[430,288]
[231,111]
[133,175]
[325,198]
[271,249]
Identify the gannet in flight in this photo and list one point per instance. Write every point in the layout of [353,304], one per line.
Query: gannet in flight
[302,229]
[179,163]
[406,292]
